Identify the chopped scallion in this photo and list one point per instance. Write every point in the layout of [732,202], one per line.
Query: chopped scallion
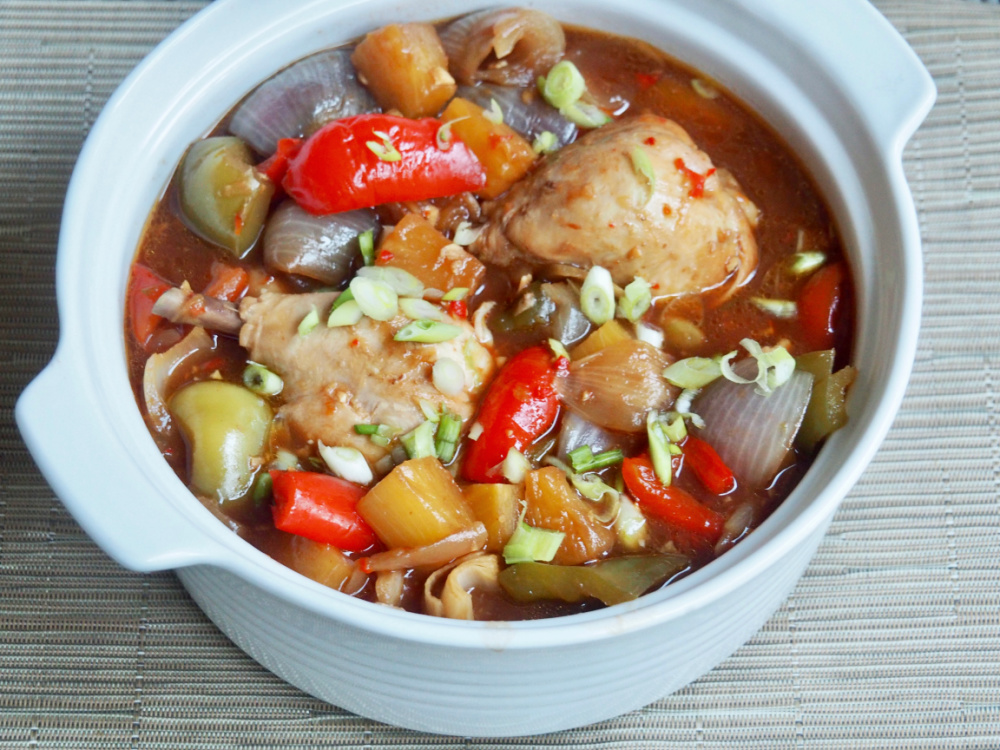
[430,411]
[403,283]
[366,429]
[644,168]
[446,441]
[376,299]
[545,142]
[779,308]
[347,314]
[420,309]
[703,89]
[531,544]
[636,300]
[309,322]
[805,262]
[427,332]
[448,376]
[346,463]
[466,234]
[563,86]
[262,381]
[659,451]
[456,294]
[385,150]
[585,115]
[597,296]
[652,336]
[583,459]
[494,114]
[558,349]
[419,442]
[693,372]
[262,488]
[366,242]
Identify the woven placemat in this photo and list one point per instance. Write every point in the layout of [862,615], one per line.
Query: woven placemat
[891,640]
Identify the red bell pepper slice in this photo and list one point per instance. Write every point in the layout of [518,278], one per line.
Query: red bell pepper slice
[708,466]
[339,168]
[819,306]
[227,282]
[145,287]
[672,504]
[322,508]
[276,165]
[520,406]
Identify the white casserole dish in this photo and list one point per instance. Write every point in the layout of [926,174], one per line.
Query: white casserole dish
[835,79]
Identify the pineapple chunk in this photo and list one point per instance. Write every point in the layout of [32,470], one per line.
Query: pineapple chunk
[496,506]
[503,152]
[405,68]
[553,504]
[608,334]
[416,504]
[416,246]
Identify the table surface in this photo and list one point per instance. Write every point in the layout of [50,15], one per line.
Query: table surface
[890,640]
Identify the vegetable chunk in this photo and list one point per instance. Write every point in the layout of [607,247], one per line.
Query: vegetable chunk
[405,68]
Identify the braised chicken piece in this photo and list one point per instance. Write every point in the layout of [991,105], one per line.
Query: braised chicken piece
[637,197]
[336,378]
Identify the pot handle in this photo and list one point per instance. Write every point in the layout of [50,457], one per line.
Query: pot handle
[889,85]
[75,455]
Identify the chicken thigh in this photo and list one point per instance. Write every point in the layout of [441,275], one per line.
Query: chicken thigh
[336,378]
[637,197]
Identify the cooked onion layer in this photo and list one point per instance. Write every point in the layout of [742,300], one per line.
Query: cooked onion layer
[300,100]
[753,433]
[320,247]
[511,46]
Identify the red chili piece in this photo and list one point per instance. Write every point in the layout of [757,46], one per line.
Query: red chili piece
[819,306]
[672,504]
[322,508]
[708,466]
[697,180]
[458,309]
[145,287]
[276,165]
[520,406]
[337,171]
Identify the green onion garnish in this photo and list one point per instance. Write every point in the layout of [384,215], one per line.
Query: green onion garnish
[366,429]
[427,332]
[693,372]
[346,463]
[420,309]
[558,349]
[366,242]
[309,322]
[446,441]
[403,283]
[563,86]
[806,262]
[530,544]
[675,429]
[494,114]
[644,168]
[636,300]
[774,368]
[703,89]
[448,376]
[419,442]
[262,488]
[779,308]
[453,295]
[262,381]
[545,142]
[342,298]
[384,150]
[585,115]
[659,451]
[376,299]
[347,314]
[582,459]
[597,296]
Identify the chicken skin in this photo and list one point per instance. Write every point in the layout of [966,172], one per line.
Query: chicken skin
[637,197]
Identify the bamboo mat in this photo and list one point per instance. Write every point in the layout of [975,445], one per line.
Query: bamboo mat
[891,640]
